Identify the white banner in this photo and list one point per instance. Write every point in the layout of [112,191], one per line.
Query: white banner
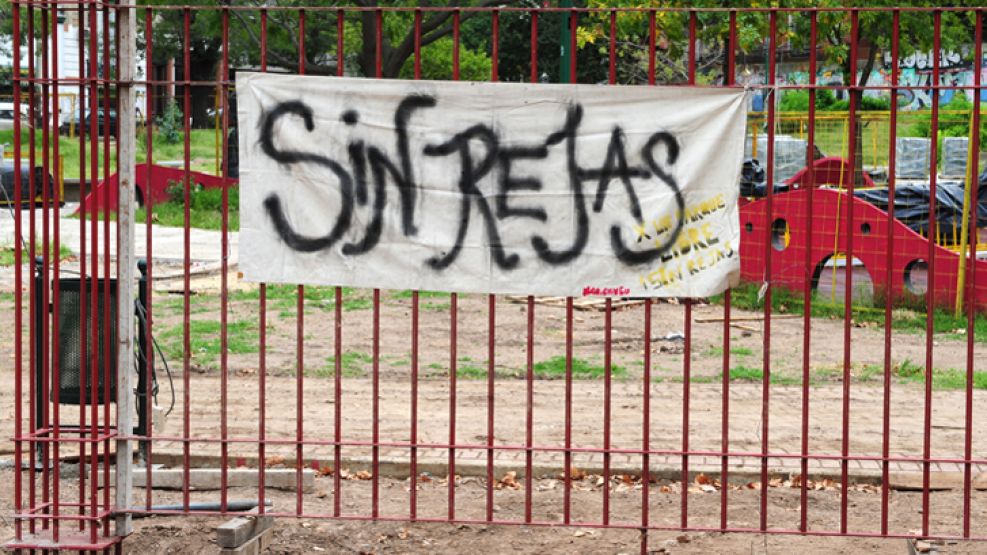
[490,187]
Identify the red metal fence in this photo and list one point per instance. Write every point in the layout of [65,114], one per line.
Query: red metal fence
[55,507]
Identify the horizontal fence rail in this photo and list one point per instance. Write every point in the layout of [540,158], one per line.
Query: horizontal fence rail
[828,394]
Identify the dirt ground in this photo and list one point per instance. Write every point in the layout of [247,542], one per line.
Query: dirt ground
[194,535]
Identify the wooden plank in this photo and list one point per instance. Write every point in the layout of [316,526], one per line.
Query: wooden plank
[238,531]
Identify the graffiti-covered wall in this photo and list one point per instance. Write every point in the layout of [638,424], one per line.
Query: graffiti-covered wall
[915,70]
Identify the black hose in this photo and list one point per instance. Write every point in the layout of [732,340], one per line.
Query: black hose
[240,506]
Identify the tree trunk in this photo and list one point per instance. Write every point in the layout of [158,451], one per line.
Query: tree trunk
[857,96]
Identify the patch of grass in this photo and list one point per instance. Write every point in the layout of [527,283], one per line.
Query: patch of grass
[284,298]
[435,307]
[205,210]
[748,374]
[352,363]
[7,253]
[202,146]
[205,343]
[715,351]
[785,301]
[908,369]
[470,372]
[406,294]
[948,378]
[555,368]
[869,372]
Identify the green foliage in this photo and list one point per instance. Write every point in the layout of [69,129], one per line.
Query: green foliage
[798,101]
[785,301]
[436,63]
[7,253]
[205,208]
[171,127]
[955,126]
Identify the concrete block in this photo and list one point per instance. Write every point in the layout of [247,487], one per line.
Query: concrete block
[238,531]
[254,546]
[210,478]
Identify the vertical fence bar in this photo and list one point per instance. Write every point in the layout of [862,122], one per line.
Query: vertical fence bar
[646,426]
[186,339]
[646,400]
[127,25]
[931,286]
[530,350]
[93,338]
[729,80]
[608,317]
[224,263]
[687,315]
[567,496]
[338,326]
[848,260]
[149,254]
[807,277]
[44,318]
[971,291]
[492,320]
[766,378]
[56,370]
[84,374]
[262,340]
[300,334]
[18,286]
[491,350]
[375,456]
[415,308]
[413,467]
[890,293]
[453,341]
[454,321]
[34,359]
[108,338]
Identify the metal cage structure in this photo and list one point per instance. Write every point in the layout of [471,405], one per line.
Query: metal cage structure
[684,429]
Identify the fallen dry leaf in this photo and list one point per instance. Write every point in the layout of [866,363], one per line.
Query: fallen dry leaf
[508,481]
[274,460]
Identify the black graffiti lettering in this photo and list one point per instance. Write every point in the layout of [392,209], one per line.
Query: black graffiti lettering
[405,178]
[358,160]
[272,203]
[615,167]
[481,155]
[372,235]
[568,134]
[508,183]
[627,255]
[470,174]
